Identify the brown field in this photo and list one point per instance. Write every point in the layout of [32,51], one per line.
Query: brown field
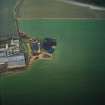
[55,9]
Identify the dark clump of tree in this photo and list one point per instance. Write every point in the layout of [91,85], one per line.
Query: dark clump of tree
[93,2]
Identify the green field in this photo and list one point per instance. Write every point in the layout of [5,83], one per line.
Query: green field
[76,75]
[56,9]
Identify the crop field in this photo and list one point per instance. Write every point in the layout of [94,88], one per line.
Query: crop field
[55,9]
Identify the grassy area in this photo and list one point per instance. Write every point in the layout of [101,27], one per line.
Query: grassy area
[55,9]
[76,73]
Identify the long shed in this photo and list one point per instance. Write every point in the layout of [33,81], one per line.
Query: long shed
[16,61]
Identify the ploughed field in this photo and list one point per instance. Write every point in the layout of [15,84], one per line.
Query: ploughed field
[7,19]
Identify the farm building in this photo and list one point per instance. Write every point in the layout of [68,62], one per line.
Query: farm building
[11,55]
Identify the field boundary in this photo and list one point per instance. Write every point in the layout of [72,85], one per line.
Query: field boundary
[60,19]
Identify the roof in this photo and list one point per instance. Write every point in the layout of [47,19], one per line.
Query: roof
[3,60]
[15,61]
